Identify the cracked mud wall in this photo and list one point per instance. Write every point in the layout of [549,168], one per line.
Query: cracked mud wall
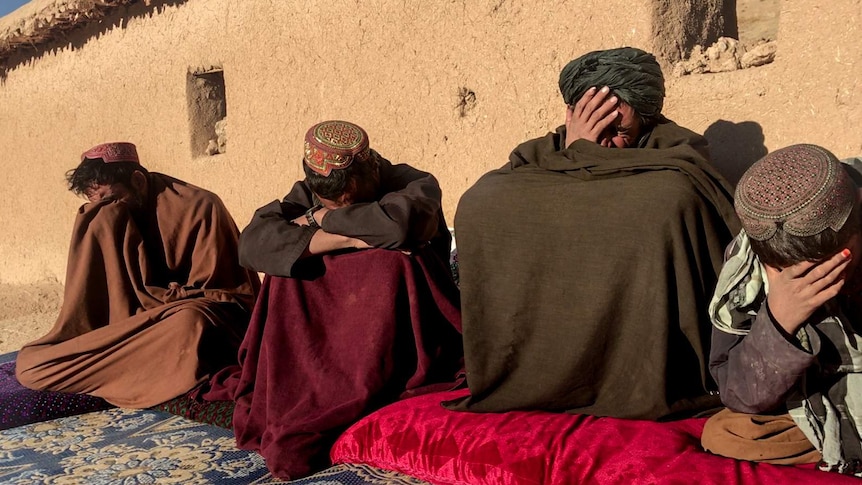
[810,93]
[449,87]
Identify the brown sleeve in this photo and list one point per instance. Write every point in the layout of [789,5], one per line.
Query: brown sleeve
[755,372]
[405,216]
[270,243]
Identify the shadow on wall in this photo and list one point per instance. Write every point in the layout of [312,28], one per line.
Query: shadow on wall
[66,31]
[735,146]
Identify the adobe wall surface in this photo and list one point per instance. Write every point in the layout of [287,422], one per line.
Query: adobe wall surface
[812,93]
[447,87]
[400,70]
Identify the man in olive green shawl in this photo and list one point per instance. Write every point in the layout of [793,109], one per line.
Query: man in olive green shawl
[587,261]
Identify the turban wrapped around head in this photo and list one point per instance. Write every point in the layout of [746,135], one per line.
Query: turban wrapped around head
[802,188]
[334,145]
[632,74]
[113,152]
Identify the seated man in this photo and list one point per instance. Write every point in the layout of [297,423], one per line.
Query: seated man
[588,260]
[336,332]
[787,316]
[155,299]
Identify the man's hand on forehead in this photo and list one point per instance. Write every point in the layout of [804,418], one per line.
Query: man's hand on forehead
[590,118]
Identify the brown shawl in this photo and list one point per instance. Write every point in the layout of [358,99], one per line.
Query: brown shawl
[154,302]
[586,273]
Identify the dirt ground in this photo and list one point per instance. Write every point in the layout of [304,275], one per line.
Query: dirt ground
[28,311]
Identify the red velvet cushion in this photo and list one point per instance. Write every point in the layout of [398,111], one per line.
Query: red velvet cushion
[420,438]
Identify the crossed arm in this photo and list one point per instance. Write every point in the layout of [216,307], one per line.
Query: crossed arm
[405,215]
[323,242]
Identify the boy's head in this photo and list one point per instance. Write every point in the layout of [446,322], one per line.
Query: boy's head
[340,168]
[798,204]
[110,171]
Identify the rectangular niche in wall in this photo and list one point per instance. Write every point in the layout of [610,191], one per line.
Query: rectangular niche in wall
[207,111]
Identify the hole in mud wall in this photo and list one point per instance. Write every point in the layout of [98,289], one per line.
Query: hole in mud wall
[466,101]
[207,112]
[757,20]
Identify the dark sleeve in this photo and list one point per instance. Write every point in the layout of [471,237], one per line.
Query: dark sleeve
[755,372]
[405,216]
[271,244]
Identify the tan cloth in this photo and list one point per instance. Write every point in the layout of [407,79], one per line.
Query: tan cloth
[757,437]
[154,303]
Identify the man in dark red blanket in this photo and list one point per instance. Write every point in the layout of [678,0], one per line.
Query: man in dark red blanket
[337,332]
[155,299]
[588,260]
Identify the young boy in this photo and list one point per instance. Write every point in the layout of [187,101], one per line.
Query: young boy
[786,316]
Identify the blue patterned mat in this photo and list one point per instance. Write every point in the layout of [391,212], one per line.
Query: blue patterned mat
[124,446]
[131,447]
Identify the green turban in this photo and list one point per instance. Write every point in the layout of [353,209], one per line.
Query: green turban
[632,74]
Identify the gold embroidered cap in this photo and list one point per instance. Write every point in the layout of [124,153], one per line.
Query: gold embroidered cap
[334,145]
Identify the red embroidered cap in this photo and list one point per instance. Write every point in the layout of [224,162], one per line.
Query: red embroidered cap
[334,145]
[113,152]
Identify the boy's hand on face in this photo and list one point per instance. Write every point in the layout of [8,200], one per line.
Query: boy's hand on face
[797,291]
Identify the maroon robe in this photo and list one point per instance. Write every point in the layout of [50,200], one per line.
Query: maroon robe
[352,332]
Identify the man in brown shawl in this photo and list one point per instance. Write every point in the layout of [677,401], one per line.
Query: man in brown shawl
[588,260]
[338,332]
[155,299]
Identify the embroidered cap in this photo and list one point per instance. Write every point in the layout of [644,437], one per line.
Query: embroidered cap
[113,152]
[802,187]
[334,145]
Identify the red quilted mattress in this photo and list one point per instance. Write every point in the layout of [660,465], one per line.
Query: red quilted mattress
[421,438]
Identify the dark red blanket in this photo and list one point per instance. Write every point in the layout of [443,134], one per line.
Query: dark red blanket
[371,327]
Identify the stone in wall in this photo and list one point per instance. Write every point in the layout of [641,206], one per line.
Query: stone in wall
[725,55]
[219,144]
[759,55]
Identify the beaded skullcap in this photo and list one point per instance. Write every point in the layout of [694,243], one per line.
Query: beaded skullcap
[113,152]
[803,187]
[334,145]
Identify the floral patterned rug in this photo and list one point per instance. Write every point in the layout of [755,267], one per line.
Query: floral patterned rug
[131,447]
[127,447]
